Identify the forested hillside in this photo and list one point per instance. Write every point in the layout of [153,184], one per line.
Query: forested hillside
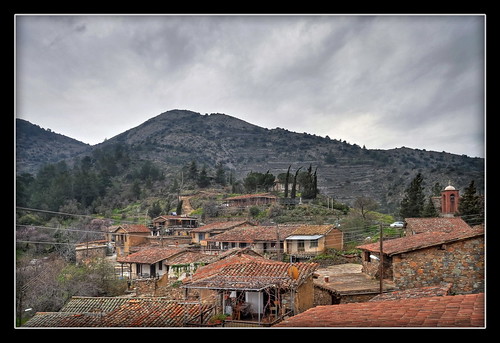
[153,159]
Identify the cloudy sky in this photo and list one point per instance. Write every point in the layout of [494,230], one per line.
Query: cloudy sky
[379,81]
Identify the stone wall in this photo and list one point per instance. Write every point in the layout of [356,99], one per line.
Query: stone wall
[461,263]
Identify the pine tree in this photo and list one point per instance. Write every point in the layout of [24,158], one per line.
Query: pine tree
[203,179]
[220,174]
[412,205]
[429,209]
[470,206]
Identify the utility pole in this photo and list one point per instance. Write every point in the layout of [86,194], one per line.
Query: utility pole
[278,242]
[381,263]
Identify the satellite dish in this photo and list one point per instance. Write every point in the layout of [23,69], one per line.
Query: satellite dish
[293,272]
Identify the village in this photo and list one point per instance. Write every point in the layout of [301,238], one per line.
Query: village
[238,273]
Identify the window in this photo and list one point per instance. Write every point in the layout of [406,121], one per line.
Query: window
[313,244]
[300,245]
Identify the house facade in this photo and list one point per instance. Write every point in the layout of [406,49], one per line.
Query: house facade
[254,288]
[174,225]
[200,234]
[148,262]
[313,240]
[127,236]
[262,239]
[430,258]
[251,200]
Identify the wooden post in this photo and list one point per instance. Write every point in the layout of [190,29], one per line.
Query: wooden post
[381,263]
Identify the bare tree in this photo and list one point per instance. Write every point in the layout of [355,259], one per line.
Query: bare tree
[364,205]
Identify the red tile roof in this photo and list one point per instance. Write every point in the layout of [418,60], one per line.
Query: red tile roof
[420,225]
[251,234]
[130,228]
[423,240]
[442,311]
[247,272]
[313,229]
[252,196]
[187,257]
[221,226]
[132,312]
[153,312]
[150,255]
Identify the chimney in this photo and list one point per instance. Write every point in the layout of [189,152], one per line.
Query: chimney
[327,279]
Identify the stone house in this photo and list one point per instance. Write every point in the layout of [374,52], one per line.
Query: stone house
[313,240]
[148,262]
[127,236]
[430,258]
[173,225]
[254,288]
[262,239]
[102,312]
[200,234]
[415,226]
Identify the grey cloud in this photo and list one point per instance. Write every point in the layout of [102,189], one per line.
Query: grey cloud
[305,73]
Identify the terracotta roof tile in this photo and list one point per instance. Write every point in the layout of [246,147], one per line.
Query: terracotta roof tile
[153,312]
[313,230]
[221,226]
[250,196]
[420,225]
[187,257]
[133,312]
[442,311]
[93,304]
[247,272]
[423,240]
[150,255]
[130,228]
[251,234]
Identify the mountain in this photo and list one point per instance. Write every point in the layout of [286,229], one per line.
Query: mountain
[36,146]
[345,171]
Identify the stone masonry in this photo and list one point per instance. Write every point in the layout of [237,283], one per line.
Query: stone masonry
[460,262]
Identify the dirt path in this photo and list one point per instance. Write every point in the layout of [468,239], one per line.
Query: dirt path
[186,204]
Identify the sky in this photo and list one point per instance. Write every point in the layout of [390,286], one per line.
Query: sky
[382,81]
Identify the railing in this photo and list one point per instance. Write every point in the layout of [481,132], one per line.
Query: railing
[252,323]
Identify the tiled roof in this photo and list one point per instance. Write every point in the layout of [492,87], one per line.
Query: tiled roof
[165,218]
[247,272]
[150,255]
[442,311]
[215,267]
[430,291]
[251,196]
[93,304]
[423,240]
[129,228]
[250,234]
[313,230]
[220,226]
[133,312]
[420,225]
[153,312]
[187,257]
[64,319]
